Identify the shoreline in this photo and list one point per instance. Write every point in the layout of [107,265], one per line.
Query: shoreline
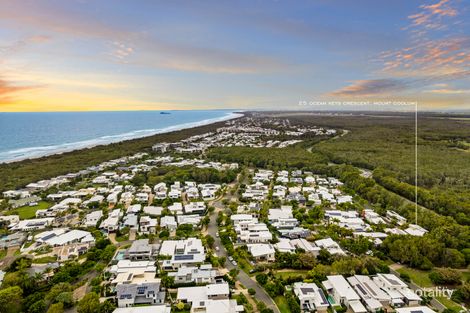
[17,174]
[47,151]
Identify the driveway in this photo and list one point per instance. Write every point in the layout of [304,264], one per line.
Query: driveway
[243,277]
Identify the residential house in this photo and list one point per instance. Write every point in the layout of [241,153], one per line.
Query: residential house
[398,290]
[311,297]
[187,252]
[168,222]
[153,210]
[111,223]
[203,274]
[330,245]
[141,250]
[138,289]
[195,208]
[93,218]
[374,298]
[147,225]
[200,293]
[262,252]
[343,293]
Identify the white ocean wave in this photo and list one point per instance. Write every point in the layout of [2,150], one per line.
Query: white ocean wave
[40,151]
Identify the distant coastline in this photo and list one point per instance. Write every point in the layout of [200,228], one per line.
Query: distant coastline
[17,174]
[34,152]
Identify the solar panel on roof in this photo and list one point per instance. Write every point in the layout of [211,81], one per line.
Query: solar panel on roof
[184,257]
[372,291]
[323,298]
[306,290]
[361,289]
[416,311]
[141,289]
[48,237]
[393,281]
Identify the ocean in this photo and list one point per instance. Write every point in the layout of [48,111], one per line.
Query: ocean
[32,135]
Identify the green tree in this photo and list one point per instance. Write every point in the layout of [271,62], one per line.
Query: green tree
[38,307]
[66,298]
[89,304]
[210,241]
[10,299]
[262,279]
[107,307]
[56,308]
[56,290]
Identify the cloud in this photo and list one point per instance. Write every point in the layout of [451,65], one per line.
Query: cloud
[385,86]
[9,90]
[371,87]
[445,91]
[435,47]
[19,45]
[432,16]
[430,57]
[423,63]
[153,51]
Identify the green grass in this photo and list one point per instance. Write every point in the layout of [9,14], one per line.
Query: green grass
[27,212]
[466,276]
[420,278]
[293,273]
[281,303]
[45,259]
[244,265]
[3,253]
[449,303]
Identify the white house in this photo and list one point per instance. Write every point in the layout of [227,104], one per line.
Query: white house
[188,252]
[93,218]
[176,208]
[343,293]
[262,252]
[195,208]
[168,222]
[111,223]
[282,218]
[153,210]
[330,245]
[32,224]
[398,290]
[203,274]
[201,293]
[311,297]
[372,295]
[147,225]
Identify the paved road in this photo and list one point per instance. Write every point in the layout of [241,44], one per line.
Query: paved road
[261,294]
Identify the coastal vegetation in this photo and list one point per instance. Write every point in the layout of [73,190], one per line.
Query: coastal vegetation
[18,174]
[448,240]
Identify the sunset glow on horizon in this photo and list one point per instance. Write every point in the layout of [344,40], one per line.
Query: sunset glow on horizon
[149,55]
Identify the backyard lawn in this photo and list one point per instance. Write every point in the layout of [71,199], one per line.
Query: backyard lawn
[293,273]
[281,303]
[27,212]
[449,303]
[420,278]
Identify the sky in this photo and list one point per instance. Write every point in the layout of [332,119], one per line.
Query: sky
[284,55]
